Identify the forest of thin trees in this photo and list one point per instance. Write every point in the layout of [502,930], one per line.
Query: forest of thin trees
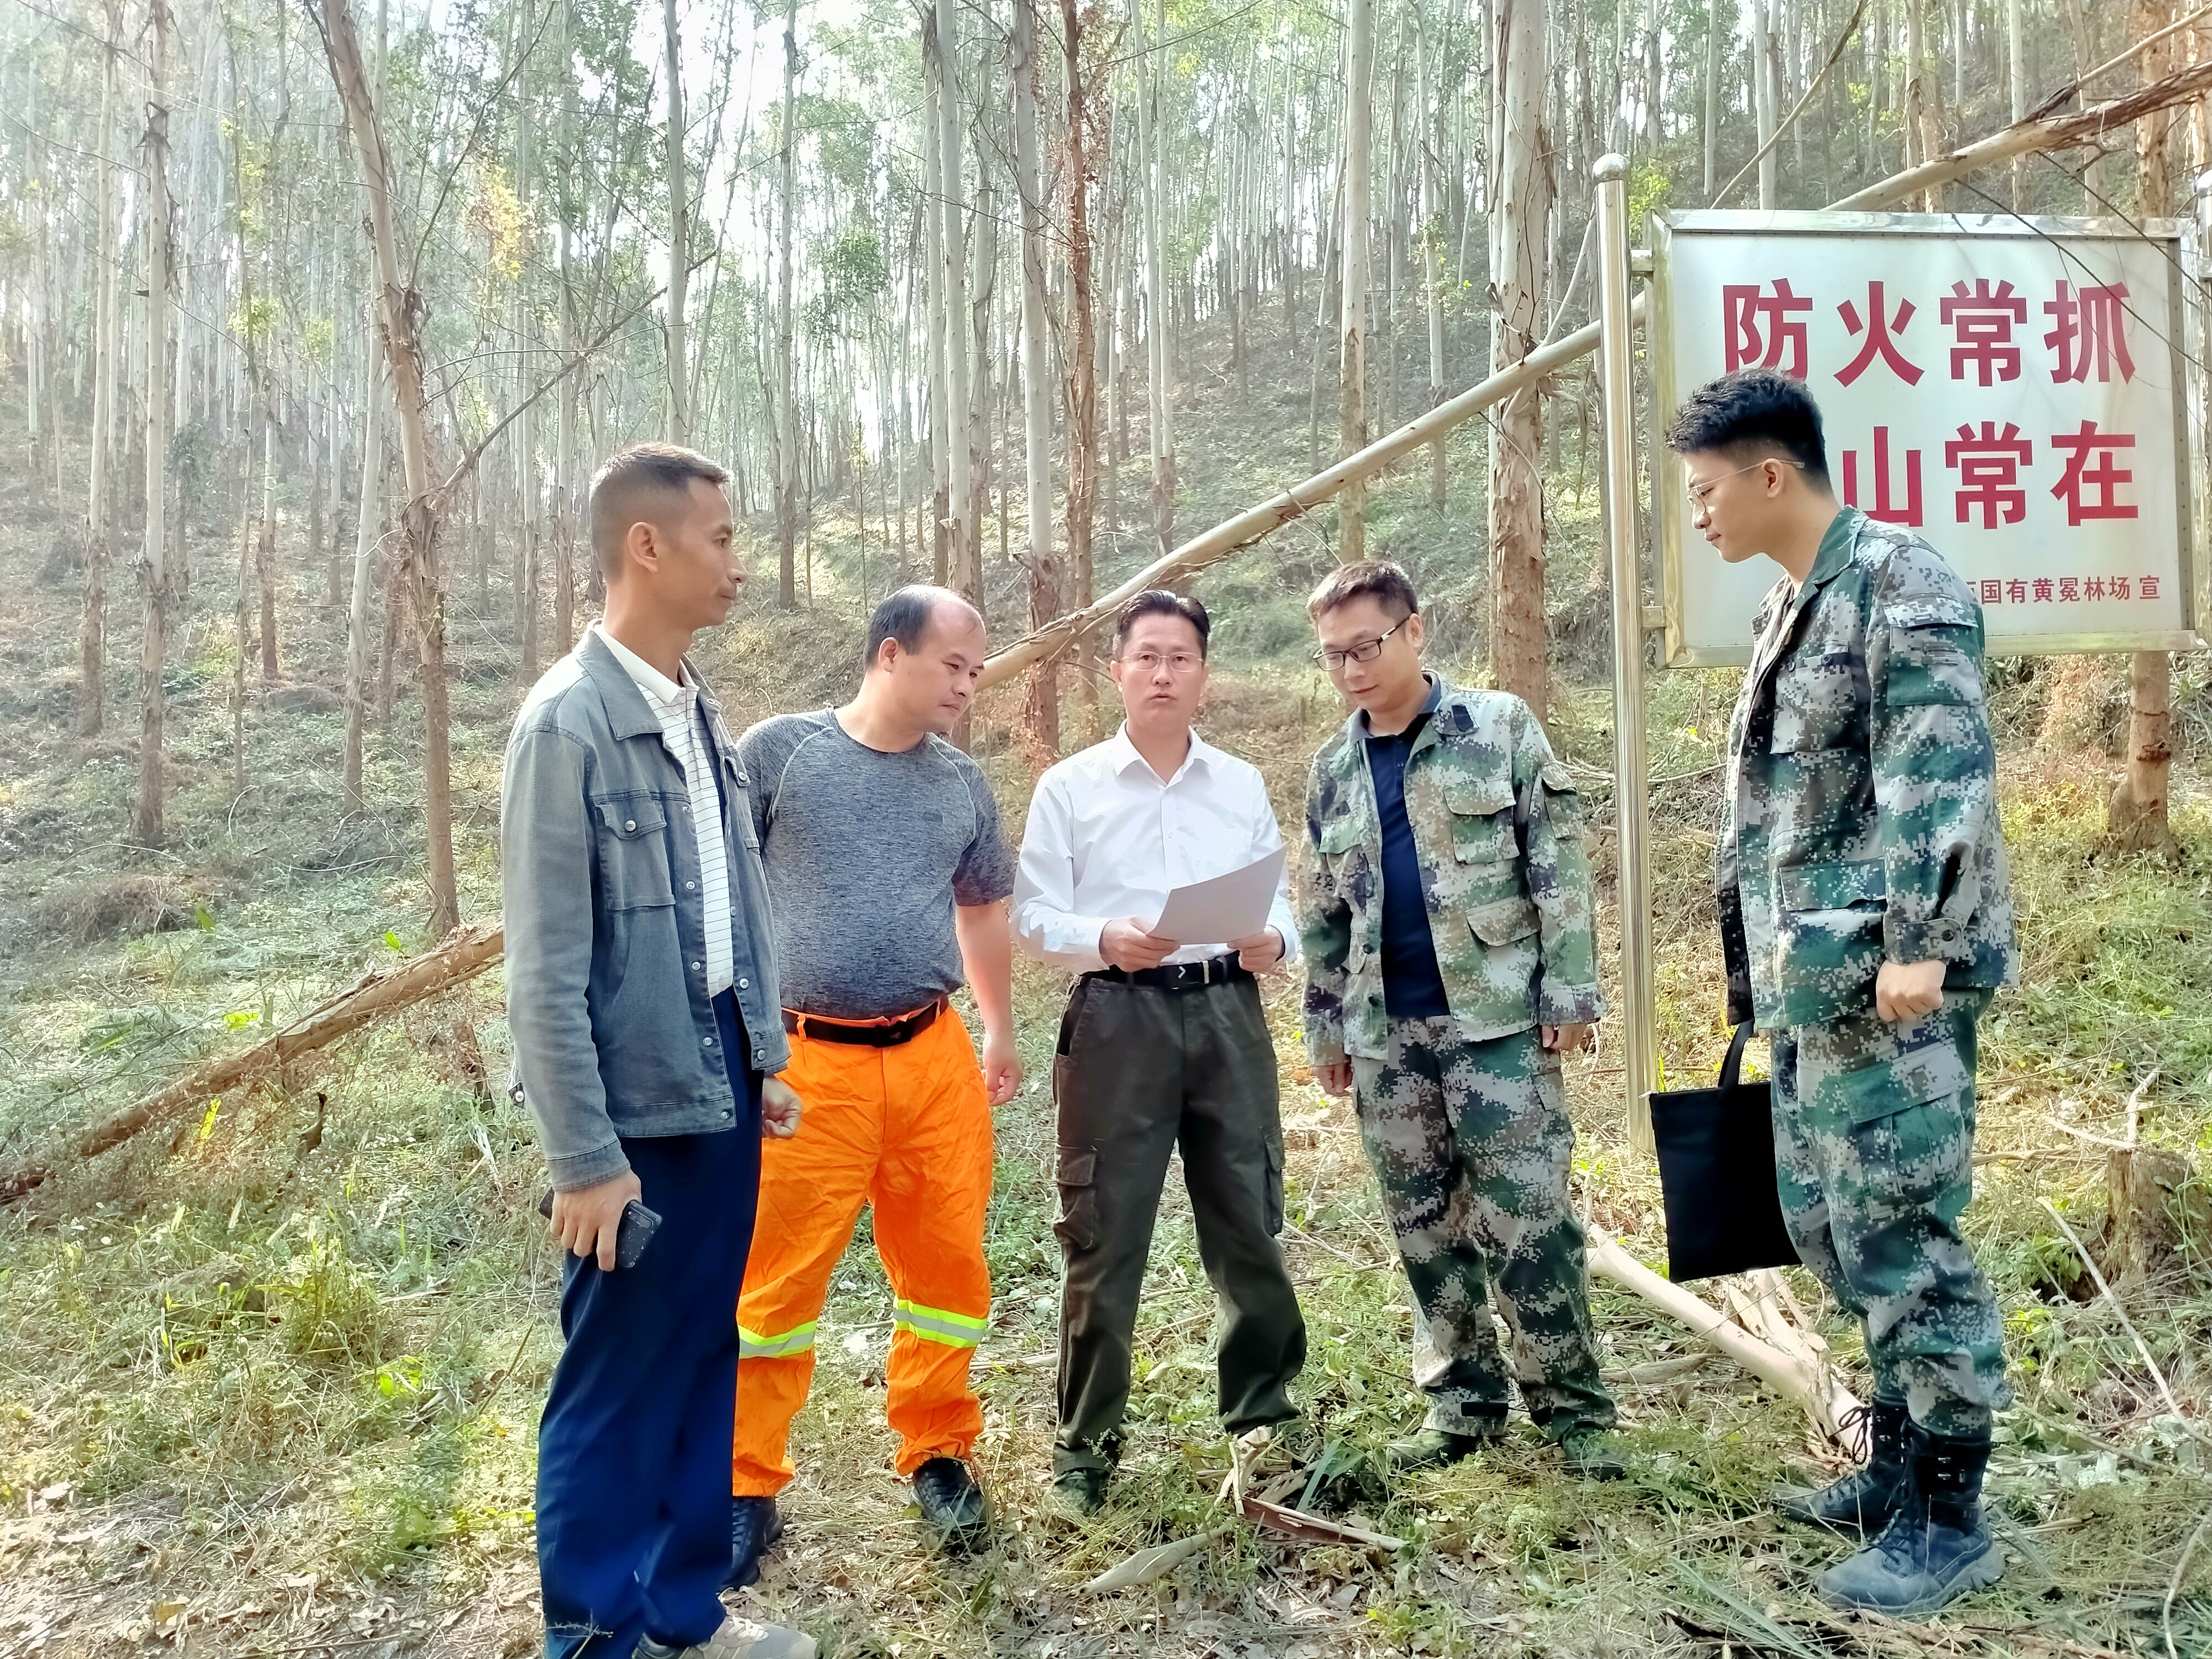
[370,285]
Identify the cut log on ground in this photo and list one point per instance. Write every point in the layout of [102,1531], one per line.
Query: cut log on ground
[2083,126]
[464,953]
[1802,1376]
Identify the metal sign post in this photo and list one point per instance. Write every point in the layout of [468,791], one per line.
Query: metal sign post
[1631,806]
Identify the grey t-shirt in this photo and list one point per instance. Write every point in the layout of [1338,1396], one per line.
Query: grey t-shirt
[866,854]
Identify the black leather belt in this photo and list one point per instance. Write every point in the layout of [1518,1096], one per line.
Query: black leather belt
[1180,975]
[887,1034]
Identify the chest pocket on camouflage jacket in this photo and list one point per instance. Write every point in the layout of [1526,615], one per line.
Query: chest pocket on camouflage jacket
[1486,883]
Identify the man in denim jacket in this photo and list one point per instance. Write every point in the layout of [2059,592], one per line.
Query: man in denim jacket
[642,993]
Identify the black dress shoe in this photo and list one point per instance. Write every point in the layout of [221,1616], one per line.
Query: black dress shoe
[952,1503]
[755,1526]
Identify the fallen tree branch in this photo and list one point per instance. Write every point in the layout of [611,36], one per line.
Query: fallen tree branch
[1802,1379]
[1057,638]
[2084,126]
[461,955]
[1147,1565]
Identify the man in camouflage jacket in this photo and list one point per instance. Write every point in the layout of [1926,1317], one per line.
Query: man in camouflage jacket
[1446,917]
[1867,920]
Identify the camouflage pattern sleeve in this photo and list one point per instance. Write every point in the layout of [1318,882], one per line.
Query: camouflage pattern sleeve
[1324,935]
[1935,763]
[1558,878]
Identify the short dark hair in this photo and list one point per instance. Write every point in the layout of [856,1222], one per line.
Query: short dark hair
[1158,601]
[1378,580]
[622,492]
[1749,415]
[905,616]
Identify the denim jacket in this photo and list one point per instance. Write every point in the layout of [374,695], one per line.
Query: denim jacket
[606,988]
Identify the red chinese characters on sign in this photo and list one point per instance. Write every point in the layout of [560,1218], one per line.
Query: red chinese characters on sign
[1756,327]
[1982,322]
[1988,464]
[2089,329]
[1881,330]
[1888,510]
[2105,477]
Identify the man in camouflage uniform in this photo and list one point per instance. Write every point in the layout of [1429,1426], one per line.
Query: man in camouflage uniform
[1867,916]
[1446,917]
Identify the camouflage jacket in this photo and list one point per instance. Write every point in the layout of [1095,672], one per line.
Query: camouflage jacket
[1860,824]
[1498,834]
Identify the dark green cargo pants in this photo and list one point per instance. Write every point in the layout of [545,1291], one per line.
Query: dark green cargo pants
[1140,1071]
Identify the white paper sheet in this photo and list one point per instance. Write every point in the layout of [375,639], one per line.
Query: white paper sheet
[1222,908]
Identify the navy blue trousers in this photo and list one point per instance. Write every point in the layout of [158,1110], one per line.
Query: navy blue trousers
[634,1449]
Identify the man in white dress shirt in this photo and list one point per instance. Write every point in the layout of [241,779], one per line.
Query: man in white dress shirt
[1164,1043]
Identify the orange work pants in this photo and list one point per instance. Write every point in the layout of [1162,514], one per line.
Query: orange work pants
[907,1130]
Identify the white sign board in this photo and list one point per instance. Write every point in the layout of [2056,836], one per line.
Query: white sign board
[2014,390]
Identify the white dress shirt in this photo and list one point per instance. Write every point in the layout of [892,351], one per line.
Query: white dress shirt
[682,732]
[1106,838]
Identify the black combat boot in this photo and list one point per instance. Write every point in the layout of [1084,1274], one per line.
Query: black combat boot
[1936,1548]
[755,1527]
[1864,1500]
[951,1503]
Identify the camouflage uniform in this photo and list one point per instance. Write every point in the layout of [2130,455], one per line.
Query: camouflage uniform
[1464,1118]
[1860,827]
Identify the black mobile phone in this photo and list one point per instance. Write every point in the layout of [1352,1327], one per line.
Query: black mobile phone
[638,1225]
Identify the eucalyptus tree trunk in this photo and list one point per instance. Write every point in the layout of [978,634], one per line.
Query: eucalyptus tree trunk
[1289,208]
[968,577]
[153,563]
[1157,305]
[1916,45]
[265,558]
[100,527]
[1046,587]
[1655,81]
[1927,91]
[400,324]
[1082,333]
[241,629]
[938,376]
[1432,262]
[678,422]
[1351,331]
[1520,219]
[2137,817]
[2016,83]
[1762,94]
[783,430]
[964,548]
[365,542]
[565,504]
[1712,134]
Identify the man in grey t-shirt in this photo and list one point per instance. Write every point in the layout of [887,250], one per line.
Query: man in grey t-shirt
[887,875]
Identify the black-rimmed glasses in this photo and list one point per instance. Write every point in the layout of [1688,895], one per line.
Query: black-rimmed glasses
[1365,651]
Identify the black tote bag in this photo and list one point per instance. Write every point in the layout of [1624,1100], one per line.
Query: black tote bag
[1716,1169]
